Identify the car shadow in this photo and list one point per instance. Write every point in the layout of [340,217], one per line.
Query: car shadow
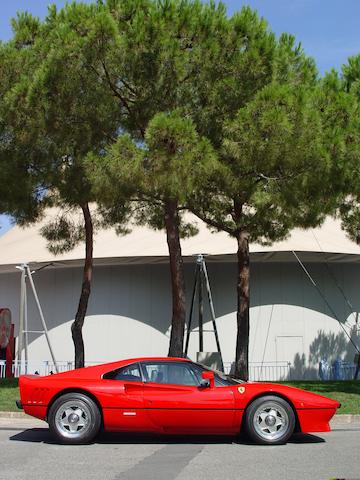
[43,435]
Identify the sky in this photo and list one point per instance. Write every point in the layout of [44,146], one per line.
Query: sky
[327,29]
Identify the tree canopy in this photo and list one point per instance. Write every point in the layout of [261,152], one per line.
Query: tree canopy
[344,127]
[64,114]
[20,191]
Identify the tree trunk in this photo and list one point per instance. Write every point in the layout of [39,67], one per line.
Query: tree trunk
[243,305]
[76,327]
[177,279]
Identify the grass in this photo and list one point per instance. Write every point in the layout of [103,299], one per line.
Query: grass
[347,393]
[9,392]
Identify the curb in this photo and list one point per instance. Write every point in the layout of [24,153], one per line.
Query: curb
[339,419]
[10,415]
[344,418]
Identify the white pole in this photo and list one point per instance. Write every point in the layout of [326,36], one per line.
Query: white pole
[21,320]
[26,336]
[42,317]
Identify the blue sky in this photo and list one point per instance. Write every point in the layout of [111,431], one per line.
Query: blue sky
[328,29]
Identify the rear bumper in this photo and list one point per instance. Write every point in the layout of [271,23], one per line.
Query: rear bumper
[19,404]
[38,411]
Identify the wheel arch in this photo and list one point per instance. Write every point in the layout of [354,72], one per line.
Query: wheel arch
[273,394]
[75,390]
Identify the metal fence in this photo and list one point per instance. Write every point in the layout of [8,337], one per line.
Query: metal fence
[258,371]
[270,371]
[346,372]
[45,367]
[2,368]
[264,371]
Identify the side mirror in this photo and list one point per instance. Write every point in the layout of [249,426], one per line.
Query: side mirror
[208,379]
[205,383]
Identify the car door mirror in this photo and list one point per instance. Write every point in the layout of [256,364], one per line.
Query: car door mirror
[205,383]
[208,378]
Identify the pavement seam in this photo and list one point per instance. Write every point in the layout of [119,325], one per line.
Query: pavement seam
[173,459]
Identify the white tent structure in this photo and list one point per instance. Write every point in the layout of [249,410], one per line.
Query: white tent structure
[292,327]
[143,245]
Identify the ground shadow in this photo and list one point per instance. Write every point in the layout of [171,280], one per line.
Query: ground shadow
[42,435]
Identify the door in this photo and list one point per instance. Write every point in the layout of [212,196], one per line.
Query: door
[176,403]
[122,399]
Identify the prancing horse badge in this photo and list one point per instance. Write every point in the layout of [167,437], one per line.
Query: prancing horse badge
[241,389]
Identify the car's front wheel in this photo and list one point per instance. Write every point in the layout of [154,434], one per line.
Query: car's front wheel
[74,418]
[269,420]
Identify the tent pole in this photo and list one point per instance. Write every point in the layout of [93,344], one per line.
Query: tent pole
[201,313]
[191,311]
[357,368]
[212,310]
[201,275]
[325,300]
[26,336]
[21,320]
[42,317]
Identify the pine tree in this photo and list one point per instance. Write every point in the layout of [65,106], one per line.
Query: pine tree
[272,178]
[273,151]
[344,130]
[159,175]
[62,111]
[153,66]
[190,58]
[20,189]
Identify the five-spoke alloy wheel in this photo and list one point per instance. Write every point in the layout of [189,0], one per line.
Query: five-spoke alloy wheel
[74,418]
[269,420]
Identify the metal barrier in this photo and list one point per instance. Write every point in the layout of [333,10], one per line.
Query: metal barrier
[2,368]
[24,368]
[65,366]
[45,367]
[270,371]
[49,367]
[346,371]
[264,371]
[258,371]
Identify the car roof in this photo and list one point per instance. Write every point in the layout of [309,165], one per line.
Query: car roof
[161,359]
[96,371]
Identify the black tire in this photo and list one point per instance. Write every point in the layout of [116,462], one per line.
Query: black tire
[269,420]
[74,418]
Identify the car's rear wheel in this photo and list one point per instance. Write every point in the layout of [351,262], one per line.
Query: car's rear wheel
[269,420]
[74,418]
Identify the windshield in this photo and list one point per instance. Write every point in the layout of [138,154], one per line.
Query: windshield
[224,379]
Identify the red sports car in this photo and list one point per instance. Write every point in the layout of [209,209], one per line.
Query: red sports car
[169,396]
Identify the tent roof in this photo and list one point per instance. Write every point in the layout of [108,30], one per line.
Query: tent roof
[143,245]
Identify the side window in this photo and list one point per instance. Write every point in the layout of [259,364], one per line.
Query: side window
[130,373]
[155,372]
[170,373]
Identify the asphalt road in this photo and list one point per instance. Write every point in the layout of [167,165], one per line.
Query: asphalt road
[27,452]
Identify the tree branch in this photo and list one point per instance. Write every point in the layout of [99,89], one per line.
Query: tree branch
[212,222]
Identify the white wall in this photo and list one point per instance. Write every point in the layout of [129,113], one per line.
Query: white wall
[130,310]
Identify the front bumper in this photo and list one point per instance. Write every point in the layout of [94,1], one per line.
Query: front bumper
[315,419]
